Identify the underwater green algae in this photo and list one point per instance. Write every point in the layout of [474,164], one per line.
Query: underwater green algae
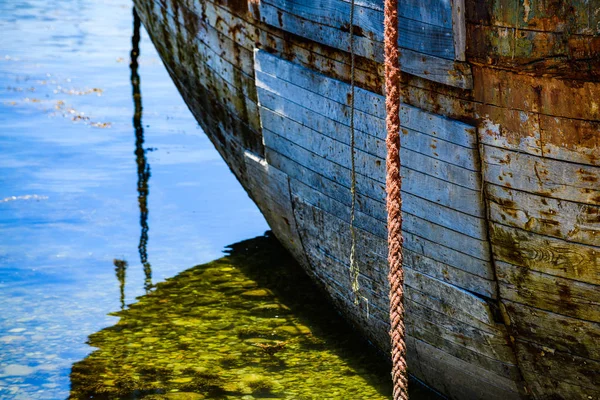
[249,325]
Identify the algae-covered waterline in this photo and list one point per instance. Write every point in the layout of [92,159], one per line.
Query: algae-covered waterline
[113,206]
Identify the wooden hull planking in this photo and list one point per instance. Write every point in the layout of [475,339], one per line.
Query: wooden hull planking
[500,155]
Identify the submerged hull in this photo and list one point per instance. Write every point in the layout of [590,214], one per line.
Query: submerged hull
[500,155]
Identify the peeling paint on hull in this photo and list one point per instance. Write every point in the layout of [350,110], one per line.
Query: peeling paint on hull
[500,163]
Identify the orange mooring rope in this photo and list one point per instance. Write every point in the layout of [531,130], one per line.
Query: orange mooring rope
[394,199]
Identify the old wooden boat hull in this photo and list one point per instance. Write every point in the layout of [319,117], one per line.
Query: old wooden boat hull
[500,155]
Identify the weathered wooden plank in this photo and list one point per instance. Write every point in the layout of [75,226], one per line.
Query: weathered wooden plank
[287,112]
[546,387]
[321,84]
[414,34]
[570,139]
[233,86]
[295,118]
[269,188]
[197,94]
[547,292]
[438,126]
[510,129]
[432,334]
[417,261]
[316,223]
[576,17]
[431,236]
[335,63]
[433,12]
[525,92]
[558,367]
[424,209]
[324,34]
[449,274]
[337,272]
[492,345]
[366,101]
[212,117]
[415,182]
[542,176]
[545,254]
[574,222]
[373,166]
[459,298]
[375,250]
[459,29]
[370,191]
[220,43]
[459,379]
[436,234]
[339,113]
[565,334]
[413,62]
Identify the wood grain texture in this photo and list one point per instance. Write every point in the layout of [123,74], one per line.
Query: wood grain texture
[543,94]
[459,379]
[565,334]
[547,292]
[546,254]
[580,375]
[416,259]
[481,348]
[414,60]
[414,34]
[269,188]
[542,176]
[325,231]
[573,222]
[459,29]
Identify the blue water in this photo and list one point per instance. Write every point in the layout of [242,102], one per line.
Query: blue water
[69,185]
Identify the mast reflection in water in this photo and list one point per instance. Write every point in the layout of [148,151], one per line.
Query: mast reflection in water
[143,168]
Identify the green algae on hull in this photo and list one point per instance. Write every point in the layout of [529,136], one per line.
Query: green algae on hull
[206,333]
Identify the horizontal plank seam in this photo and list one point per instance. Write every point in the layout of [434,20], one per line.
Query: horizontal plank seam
[361,110]
[476,377]
[343,264]
[364,37]
[593,248]
[366,195]
[476,173]
[561,315]
[374,116]
[218,54]
[521,339]
[273,32]
[543,157]
[413,233]
[359,6]
[376,180]
[479,354]
[554,276]
[365,151]
[528,29]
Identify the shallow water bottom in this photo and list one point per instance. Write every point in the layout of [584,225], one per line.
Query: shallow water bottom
[249,325]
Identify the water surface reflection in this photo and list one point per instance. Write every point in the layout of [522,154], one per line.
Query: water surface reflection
[74,234]
[143,168]
[249,324]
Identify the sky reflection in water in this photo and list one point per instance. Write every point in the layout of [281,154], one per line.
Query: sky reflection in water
[70,181]
[104,194]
